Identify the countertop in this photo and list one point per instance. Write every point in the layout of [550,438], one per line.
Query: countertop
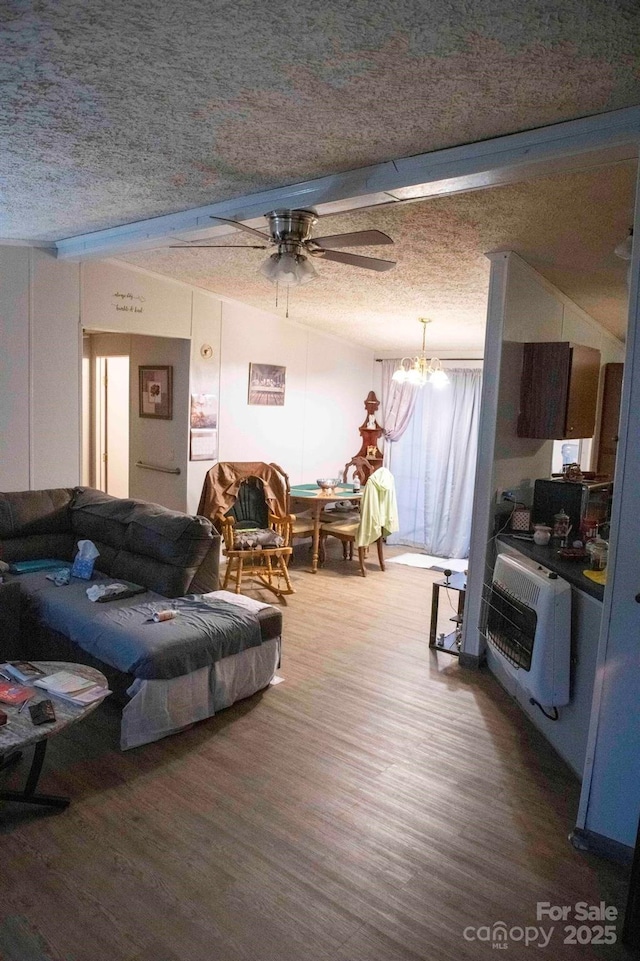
[570,571]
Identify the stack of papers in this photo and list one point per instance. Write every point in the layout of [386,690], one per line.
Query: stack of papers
[72,687]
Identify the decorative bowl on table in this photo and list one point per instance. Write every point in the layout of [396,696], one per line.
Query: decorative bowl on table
[328,483]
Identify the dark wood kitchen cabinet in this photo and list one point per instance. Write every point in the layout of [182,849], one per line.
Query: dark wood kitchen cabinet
[609,418]
[558,390]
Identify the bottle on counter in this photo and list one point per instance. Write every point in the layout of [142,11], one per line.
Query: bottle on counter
[356,484]
[598,551]
[561,525]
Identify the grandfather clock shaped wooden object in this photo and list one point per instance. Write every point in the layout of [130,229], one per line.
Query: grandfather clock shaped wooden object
[371,432]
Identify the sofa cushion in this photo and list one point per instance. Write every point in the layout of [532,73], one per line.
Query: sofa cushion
[35,512]
[97,516]
[35,546]
[169,536]
[162,578]
[107,555]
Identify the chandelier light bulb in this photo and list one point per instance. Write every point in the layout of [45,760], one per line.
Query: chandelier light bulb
[419,370]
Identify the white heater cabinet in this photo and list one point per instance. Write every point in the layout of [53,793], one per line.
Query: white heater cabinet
[528,625]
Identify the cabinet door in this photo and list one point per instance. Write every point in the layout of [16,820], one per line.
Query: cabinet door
[609,419]
[582,394]
[558,390]
[543,390]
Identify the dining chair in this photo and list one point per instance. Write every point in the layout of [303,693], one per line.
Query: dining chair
[378,517]
[362,469]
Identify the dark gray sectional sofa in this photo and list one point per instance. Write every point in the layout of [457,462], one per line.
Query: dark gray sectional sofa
[166,551]
[169,553]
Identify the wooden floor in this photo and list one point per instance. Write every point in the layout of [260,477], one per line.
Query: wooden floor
[372,807]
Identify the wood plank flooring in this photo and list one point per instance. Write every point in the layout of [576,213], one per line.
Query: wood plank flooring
[371,807]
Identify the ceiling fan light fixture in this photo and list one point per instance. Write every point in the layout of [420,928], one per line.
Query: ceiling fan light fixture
[288,268]
[420,370]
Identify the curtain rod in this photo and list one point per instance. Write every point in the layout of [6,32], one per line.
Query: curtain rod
[443,359]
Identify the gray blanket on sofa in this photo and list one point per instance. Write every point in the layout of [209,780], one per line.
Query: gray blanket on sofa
[119,634]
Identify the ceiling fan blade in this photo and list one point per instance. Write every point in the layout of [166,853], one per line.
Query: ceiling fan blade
[240,226]
[355,260]
[360,238]
[221,246]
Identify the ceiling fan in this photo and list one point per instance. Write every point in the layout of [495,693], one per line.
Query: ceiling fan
[290,231]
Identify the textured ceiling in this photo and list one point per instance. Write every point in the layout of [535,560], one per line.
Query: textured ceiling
[565,226]
[118,111]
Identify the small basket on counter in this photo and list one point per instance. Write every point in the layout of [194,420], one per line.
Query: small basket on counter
[520,518]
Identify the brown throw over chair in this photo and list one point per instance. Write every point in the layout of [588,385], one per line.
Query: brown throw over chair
[249,504]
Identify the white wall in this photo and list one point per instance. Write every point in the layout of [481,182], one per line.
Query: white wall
[316,431]
[14,369]
[535,311]
[205,376]
[40,358]
[127,300]
[45,304]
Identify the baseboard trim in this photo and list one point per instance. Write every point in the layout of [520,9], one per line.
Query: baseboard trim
[601,846]
[471,661]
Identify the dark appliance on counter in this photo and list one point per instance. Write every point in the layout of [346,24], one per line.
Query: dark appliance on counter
[583,501]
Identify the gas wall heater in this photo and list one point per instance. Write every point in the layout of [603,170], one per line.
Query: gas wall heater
[529,628]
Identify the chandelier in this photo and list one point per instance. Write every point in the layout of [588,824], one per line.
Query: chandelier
[420,370]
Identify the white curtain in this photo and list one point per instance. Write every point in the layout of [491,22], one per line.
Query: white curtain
[434,466]
[398,401]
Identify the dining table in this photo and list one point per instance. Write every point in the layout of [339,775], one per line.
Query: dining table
[318,499]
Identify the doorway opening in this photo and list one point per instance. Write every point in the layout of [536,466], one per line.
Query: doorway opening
[111,398]
[106,415]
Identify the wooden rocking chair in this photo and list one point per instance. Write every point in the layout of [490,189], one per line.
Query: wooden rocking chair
[245,503]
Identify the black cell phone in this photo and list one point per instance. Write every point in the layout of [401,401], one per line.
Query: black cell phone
[42,712]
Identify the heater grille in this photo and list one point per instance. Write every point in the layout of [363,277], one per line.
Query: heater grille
[511,627]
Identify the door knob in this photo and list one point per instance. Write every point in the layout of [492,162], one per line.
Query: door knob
[637,598]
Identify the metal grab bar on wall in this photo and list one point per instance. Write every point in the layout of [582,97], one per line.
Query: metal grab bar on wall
[163,470]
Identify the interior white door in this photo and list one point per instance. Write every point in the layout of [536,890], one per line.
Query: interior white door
[117,426]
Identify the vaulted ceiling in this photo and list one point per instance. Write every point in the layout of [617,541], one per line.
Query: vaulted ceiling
[565,226]
[121,111]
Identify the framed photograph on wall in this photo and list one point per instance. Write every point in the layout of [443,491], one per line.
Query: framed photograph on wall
[266,385]
[155,391]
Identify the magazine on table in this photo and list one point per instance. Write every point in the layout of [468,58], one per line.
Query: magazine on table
[92,694]
[12,693]
[72,687]
[23,671]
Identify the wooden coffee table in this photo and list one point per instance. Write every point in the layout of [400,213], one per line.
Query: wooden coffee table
[20,732]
